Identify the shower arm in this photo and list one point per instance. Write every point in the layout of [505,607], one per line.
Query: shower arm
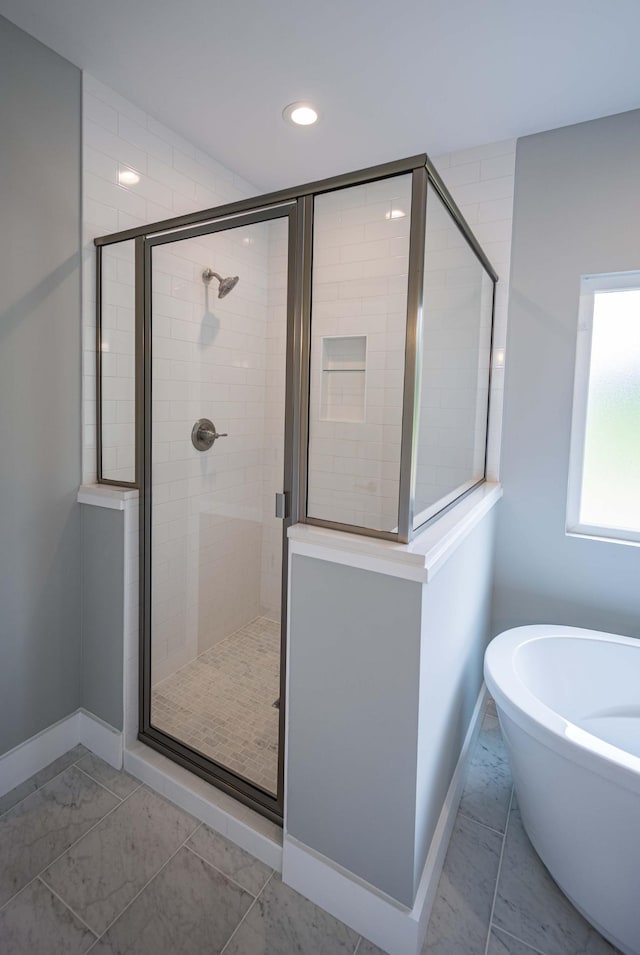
[209,274]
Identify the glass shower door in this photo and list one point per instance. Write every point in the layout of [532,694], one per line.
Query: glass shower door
[217,334]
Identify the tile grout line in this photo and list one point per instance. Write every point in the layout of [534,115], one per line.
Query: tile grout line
[147,883]
[97,781]
[463,815]
[228,877]
[226,944]
[498,873]
[66,905]
[516,939]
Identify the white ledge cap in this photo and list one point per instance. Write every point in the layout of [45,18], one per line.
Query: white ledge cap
[107,495]
[419,561]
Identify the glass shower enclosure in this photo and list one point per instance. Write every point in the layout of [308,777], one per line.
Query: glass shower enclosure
[317,355]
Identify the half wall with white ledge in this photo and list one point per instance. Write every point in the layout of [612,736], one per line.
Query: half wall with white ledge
[385,649]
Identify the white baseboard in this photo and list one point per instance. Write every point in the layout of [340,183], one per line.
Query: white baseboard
[386,923]
[101,738]
[427,888]
[34,754]
[369,912]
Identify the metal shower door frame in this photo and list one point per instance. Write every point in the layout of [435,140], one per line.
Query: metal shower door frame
[208,769]
[298,204]
[424,178]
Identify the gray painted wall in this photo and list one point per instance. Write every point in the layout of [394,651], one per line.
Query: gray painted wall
[102,613]
[383,678]
[456,610]
[576,211]
[39,386]
[353,703]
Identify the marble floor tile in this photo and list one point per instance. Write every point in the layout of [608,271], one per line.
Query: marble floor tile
[14,796]
[117,782]
[237,864]
[103,872]
[502,944]
[55,930]
[47,822]
[189,908]
[67,759]
[531,907]
[30,785]
[282,922]
[461,913]
[488,785]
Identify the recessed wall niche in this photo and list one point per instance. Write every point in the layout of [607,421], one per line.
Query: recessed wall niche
[344,360]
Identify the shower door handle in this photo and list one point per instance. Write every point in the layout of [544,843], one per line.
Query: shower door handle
[281,505]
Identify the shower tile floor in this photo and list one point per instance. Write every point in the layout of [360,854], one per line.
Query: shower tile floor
[221,704]
[94,861]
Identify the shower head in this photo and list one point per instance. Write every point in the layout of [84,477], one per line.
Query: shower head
[225,285]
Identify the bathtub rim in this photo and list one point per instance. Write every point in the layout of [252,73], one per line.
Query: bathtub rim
[519,703]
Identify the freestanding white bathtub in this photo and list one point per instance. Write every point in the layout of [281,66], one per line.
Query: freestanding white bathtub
[569,707]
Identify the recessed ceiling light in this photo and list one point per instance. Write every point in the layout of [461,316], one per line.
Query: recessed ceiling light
[395,214]
[128,177]
[300,114]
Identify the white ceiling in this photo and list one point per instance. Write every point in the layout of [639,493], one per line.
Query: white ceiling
[390,78]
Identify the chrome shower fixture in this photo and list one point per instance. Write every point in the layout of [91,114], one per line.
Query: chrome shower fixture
[225,286]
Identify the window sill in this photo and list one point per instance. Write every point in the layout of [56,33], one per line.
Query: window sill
[608,535]
[419,561]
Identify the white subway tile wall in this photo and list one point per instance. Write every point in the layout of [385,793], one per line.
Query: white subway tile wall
[360,268]
[173,178]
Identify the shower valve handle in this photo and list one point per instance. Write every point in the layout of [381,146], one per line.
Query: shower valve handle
[203,434]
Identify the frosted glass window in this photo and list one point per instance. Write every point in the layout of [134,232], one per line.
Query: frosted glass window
[607,408]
